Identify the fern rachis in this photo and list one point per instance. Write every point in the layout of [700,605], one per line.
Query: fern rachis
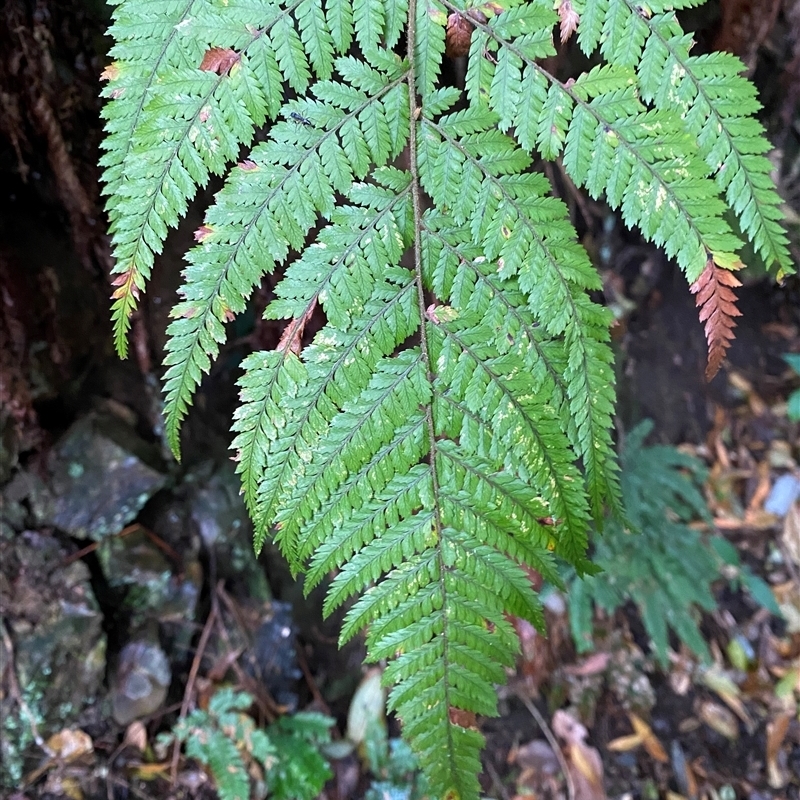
[460,390]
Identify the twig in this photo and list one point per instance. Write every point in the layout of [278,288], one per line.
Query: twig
[90,548]
[195,668]
[545,728]
[266,704]
[312,684]
[16,692]
[496,782]
[134,528]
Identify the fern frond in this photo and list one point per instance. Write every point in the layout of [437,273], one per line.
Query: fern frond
[448,428]
[718,105]
[644,160]
[662,491]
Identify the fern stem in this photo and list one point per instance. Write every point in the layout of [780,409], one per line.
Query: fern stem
[416,195]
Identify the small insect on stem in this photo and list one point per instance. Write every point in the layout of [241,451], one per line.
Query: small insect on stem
[300,119]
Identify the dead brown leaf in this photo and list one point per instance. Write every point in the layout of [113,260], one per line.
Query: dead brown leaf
[716,680]
[790,537]
[584,762]
[219,60]
[594,664]
[777,776]
[569,20]
[70,744]
[719,719]
[643,736]
[136,736]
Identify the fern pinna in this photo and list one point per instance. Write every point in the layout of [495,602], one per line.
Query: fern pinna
[449,427]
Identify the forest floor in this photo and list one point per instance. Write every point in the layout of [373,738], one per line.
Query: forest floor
[128,587]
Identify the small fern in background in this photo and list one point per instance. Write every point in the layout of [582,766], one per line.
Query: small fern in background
[658,562]
[226,740]
[394,767]
[299,771]
[450,424]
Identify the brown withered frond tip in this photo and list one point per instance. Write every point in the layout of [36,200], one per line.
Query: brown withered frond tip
[717,303]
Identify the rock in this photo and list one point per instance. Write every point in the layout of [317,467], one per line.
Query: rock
[102,474]
[154,591]
[264,634]
[272,659]
[55,625]
[141,681]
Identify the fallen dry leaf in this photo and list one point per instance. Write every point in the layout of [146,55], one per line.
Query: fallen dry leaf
[777,776]
[62,786]
[761,493]
[147,772]
[70,744]
[643,736]
[584,762]
[594,664]
[136,736]
[624,744]
[650,741]
[729,693]
[718,718]
[790,537]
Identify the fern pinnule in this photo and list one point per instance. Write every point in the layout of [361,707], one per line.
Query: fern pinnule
[717,303]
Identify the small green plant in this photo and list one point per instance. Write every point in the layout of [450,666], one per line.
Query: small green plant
[394,766]
[793,360]
[657,561]
[225,739]
[299,771]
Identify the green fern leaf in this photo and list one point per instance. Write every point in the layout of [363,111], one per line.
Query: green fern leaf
[718,105]
[713,99]
[172,124]
[276,193]
[448,426]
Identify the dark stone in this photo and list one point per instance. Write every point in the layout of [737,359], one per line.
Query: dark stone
[141,681]
[55,626]
[101,476]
